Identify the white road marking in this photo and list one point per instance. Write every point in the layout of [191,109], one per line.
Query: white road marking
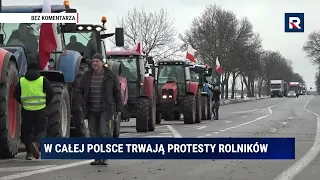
[45,170]
[207,135]
[165,133]
[297,167]
[187,126]
[247,111]
[273,130]
[284,123]
[290,117]
[201,127]
[227,121]
[216,132]
[249,122]
[243,116]
[24,168]
[174,132]
[156,136]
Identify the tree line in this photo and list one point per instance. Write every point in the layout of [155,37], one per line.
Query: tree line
[312,50]
[215,33]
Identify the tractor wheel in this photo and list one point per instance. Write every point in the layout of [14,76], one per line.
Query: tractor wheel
[198,107]
[79,129]
[158,118]
[58,112]
[10,114]
[204,107]
[209,111]
[142,115]
[116,126]
[152,112]
[189,109]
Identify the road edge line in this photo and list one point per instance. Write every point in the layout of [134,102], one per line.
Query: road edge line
[304,161]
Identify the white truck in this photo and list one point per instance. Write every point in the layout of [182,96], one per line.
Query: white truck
[277,88]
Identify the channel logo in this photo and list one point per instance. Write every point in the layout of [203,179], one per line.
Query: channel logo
[294,22]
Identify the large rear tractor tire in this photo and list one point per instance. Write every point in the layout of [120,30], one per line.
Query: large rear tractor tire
[152,112]
[10,114]
[142,114]
[58,112]
[189,109]
[204,108]
[198,107]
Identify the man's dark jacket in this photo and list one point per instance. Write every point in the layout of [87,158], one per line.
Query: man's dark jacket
[111,93]
[33,75]
[216,94]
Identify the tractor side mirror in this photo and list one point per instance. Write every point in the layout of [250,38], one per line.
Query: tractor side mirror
[209,72]
[1,39]
[119,37]
[150,60]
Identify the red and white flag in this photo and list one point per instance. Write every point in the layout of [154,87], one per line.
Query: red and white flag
[190,54]
[47,40]
[218,68]
[138,47]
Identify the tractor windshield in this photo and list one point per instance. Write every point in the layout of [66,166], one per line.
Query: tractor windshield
[84,42]
[171,72]
[129,67]
[21,34]
[194,76]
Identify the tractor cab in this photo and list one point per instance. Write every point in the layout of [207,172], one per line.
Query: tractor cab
[22,39]
[200,73]
[88,39]
[177,72]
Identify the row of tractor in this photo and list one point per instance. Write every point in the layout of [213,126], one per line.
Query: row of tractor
[151,92]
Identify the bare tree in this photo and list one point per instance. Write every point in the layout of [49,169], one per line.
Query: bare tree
[211,35]
[312,47]
[154,30]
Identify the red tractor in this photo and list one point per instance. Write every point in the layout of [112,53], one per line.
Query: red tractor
[177,94]
[141,88]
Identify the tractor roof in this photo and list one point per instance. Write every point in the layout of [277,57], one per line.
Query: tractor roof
[123,53]
[31,9]
[173,62]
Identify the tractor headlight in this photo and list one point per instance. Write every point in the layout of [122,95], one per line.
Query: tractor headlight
[167,93]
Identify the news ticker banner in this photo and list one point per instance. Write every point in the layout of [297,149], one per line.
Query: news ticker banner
[168,148]
[39,18]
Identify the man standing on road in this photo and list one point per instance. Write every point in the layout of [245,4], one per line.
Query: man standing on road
[216,98]
[100,88]
[34,93]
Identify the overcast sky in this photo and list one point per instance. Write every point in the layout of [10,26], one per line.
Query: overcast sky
[267,18]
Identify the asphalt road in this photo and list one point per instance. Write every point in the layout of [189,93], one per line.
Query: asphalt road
[276,117]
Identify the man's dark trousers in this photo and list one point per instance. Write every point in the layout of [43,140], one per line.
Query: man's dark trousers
[33,127]
[100,125]
[215,109]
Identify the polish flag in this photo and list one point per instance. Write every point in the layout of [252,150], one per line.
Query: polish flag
[190,54]
[138,47]
[47,40]
[218,67]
